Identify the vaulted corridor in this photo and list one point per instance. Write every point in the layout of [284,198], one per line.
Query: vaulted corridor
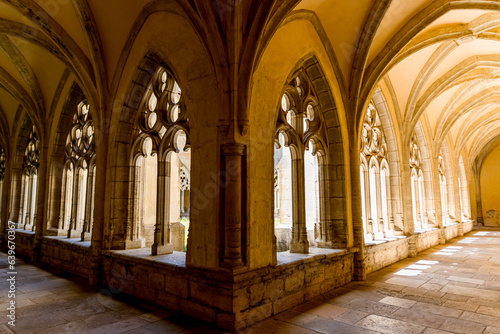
[450,288]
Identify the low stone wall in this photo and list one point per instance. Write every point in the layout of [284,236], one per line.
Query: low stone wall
[231,302]
[383,255]
[451,231]
[468,226]
[427,239]
[71,255]
[24,242]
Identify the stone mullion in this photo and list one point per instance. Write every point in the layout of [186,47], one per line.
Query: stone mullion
[299,243]
[380,219]
[74,203]
[89,200]
[62,202]
[135,207]
[438,196]
[34,198]
[233,154]
[21,216]
[418,191]
[368,204]
[162,243]
[388,192]
[326,233]
[28,221]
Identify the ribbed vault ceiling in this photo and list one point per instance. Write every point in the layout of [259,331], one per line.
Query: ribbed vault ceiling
[441,58]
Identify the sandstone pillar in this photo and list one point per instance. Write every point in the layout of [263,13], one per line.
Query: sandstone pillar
[232,202]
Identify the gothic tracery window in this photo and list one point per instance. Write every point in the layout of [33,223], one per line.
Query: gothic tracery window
[78,186]
[417,185]
[161,160]
[376,210]
[300,159]
[29,181]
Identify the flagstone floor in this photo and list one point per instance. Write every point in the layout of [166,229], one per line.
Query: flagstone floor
[451,288]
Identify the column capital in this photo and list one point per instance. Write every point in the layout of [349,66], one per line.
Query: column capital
[232,149]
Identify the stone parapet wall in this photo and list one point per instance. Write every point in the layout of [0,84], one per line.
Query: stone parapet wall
[24,242]
[70,255]
[427,239]
[231,302]
[451,231]
[382,255]
[468,225]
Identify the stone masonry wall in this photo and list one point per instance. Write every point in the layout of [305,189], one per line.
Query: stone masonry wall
[451,232]
[382,255]
[427,239]
[216,297]
[73,257]
[24,242]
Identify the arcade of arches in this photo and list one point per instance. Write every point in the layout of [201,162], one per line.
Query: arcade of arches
[259,152]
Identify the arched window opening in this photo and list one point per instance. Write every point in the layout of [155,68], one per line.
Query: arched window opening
[300,159]
[377,220]
[417,185]
[161,160]
[29,181]
[77,206]
[283,204]
[444,192]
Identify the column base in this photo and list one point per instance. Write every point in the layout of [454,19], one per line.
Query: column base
[72,234]
[56,232]
[138,243]
[86,236]
[299,247]
[162,249]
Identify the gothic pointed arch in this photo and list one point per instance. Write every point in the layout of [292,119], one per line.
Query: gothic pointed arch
[307,124]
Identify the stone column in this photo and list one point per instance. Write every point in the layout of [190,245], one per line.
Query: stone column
[368,206]
[357,219]
[388,193]
[74,205]
[380,218]
[39,212]
[22,201]
[89,203]
[29,203]
[161,244]
[406,180]
[437,200]
[232,205]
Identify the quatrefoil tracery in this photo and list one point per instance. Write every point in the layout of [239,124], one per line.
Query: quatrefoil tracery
[299,104]
[32,153]
[80,143]
[373,141]
[163,118]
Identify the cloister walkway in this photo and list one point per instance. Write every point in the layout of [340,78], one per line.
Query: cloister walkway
[451,288]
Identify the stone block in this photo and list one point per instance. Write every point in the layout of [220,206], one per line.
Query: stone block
[156,280]
[312,291]
[144,292]
[314,275]
[294,281]
[253,315]
[288,302]
[241,300]
[199,311]
[211,295]
[226,321]
[176,286]
[167,300]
